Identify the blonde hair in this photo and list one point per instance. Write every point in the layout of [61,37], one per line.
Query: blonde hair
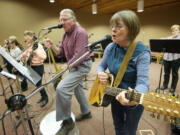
[130,19]
[175,26]
[30,33]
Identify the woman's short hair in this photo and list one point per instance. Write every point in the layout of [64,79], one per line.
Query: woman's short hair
[130,19]
[69,11]
[30,33]
[175,26]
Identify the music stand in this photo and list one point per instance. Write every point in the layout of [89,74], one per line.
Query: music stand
[27,72]
[164,45]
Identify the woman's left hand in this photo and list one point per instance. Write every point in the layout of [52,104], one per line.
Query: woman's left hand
[123,100]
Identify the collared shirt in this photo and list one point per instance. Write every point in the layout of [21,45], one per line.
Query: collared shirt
[142,64]
[172,56]
[73,45]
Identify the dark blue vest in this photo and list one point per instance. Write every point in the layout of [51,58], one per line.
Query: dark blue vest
[115,59]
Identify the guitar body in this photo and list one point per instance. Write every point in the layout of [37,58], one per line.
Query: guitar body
[97,97]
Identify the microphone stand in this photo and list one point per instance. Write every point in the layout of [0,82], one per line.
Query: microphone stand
[160,76]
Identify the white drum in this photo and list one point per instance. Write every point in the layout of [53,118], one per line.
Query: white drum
[49,125]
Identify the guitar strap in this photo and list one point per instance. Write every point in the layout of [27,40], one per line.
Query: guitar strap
[124,64]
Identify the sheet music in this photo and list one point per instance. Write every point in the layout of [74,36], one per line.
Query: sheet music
[27,72]
[12,76]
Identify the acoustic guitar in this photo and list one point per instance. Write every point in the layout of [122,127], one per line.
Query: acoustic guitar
[102,95]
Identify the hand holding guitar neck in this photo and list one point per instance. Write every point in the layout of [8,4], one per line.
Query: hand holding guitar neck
[29,59]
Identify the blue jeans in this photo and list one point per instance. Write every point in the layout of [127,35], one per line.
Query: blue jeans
[125,118]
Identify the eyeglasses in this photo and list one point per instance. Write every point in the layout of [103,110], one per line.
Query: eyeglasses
[116,26]
[65,19]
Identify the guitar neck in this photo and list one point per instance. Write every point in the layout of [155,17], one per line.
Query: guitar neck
[132,95]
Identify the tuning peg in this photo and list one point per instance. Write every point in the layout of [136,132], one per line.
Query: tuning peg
[163,97]
[176,112]
[157,95]
[154,109]
[170,100]
[177,102]
[161,110]
[168,111]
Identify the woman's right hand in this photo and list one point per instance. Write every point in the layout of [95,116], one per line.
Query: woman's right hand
[48,43]
[103,77]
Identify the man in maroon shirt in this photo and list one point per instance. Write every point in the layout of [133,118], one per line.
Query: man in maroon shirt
[72,46]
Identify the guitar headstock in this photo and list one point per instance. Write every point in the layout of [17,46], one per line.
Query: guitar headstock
[162,104]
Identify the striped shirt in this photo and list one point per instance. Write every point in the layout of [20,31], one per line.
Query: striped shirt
[171,56]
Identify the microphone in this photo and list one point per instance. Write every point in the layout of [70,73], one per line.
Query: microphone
[59,26]
[93,44]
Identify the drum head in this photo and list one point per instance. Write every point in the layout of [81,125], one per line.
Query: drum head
[49,125]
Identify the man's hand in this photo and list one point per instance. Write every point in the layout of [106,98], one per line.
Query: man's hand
[48,43]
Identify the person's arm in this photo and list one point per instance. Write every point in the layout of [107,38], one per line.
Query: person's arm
[142,82]
[103,66]
[143,65]
[49,44]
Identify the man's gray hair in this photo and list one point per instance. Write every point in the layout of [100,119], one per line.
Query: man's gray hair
[71,13]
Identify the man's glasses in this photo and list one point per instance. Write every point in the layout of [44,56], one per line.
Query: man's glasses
[65,19]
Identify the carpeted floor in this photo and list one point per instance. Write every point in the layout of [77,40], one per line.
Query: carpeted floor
[100,124]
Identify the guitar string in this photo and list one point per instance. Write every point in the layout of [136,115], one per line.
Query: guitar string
[149,99]
[138,95]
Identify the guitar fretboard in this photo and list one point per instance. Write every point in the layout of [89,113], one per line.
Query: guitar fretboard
[133,95]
